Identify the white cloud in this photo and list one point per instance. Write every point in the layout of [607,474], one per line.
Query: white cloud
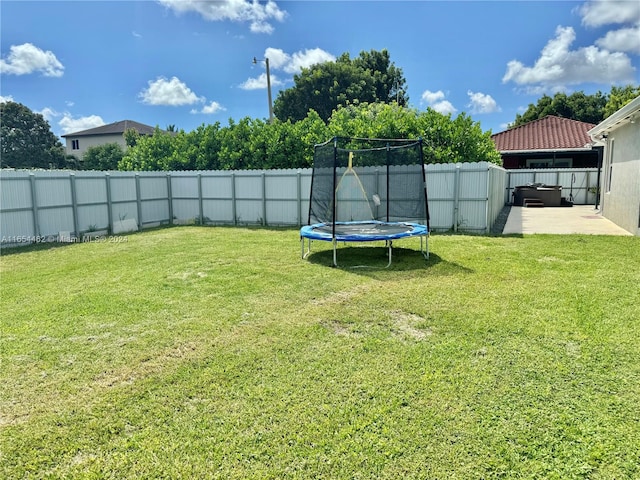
[71,125]
[626,13]
[169,92]
[257,14]
[445,107]
[280,60]
[482,103]
[260,82]
[300,60]
[559,66]
[7,98]
[432,97]
[622,40]
[49,114]
[604,12]
[436,101]
[136,34]
[27,58]
[213,107]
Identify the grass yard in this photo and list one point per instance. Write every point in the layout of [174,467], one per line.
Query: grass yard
[206,352]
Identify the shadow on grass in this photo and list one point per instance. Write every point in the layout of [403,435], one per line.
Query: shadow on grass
[372,262]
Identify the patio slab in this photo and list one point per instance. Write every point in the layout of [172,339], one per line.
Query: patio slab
[579,219]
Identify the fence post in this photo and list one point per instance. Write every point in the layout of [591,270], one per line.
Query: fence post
[233,199]
[34,202]
[200,206]
[139,201]
[456,198]
[299,194]
[170,198]
[264,200]
[74,203]
[107,179]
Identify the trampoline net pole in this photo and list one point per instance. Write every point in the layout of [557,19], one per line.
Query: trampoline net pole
[388,160]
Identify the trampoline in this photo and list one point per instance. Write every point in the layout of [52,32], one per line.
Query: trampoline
[367,190]
[365,231]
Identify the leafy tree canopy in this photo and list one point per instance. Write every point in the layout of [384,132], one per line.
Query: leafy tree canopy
[619,97]
[103,157]
[257,144]
[27,139]
[323,87]
[579,106]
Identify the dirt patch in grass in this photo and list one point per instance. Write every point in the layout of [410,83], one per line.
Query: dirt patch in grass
[407,326]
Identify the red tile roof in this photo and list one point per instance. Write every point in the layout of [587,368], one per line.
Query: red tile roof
[548,133]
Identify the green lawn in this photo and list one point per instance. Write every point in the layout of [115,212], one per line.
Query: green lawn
[205,352]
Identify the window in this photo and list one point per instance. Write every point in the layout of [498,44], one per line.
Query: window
[75,144]
[549,162]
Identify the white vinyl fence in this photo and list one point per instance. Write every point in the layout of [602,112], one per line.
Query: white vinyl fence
[40,205]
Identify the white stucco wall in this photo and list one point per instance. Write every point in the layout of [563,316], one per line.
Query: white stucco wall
[92,141]
[621,179]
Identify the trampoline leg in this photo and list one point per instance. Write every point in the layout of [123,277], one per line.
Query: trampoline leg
[390,245]
[335,254]
[305,254]
[425,253]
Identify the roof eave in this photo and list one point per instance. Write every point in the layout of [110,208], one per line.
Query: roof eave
[547,150]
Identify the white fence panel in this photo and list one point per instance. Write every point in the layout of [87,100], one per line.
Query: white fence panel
[15,192]
[155,212]
[465,196]
[184,186]
[153,188]
[219,211]
[53,192]
[125,211]
[249,212]
[497,188]
[91,190]
[16,224]
[185,210]
[54,220]
[93,218]
[217,186]
[578,183]
[248,187]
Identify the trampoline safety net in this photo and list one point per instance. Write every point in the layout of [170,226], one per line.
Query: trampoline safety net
[357,179]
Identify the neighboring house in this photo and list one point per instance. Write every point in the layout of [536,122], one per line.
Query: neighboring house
[550,142]
[620,179]
[79,142]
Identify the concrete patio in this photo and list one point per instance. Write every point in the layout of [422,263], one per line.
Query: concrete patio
[579,219]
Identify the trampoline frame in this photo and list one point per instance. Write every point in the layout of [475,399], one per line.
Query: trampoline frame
[367,234]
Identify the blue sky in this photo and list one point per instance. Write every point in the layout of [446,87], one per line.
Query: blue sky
[186,63]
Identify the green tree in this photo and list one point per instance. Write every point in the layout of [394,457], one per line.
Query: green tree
[27,140]
[577,106]
[388,81]
[131,137]
[103,157]
[323,87]
[619,97]
[151,152]
[258,144]
[445,140]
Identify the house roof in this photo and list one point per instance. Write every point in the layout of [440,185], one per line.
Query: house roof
[114,128]
[548,133]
